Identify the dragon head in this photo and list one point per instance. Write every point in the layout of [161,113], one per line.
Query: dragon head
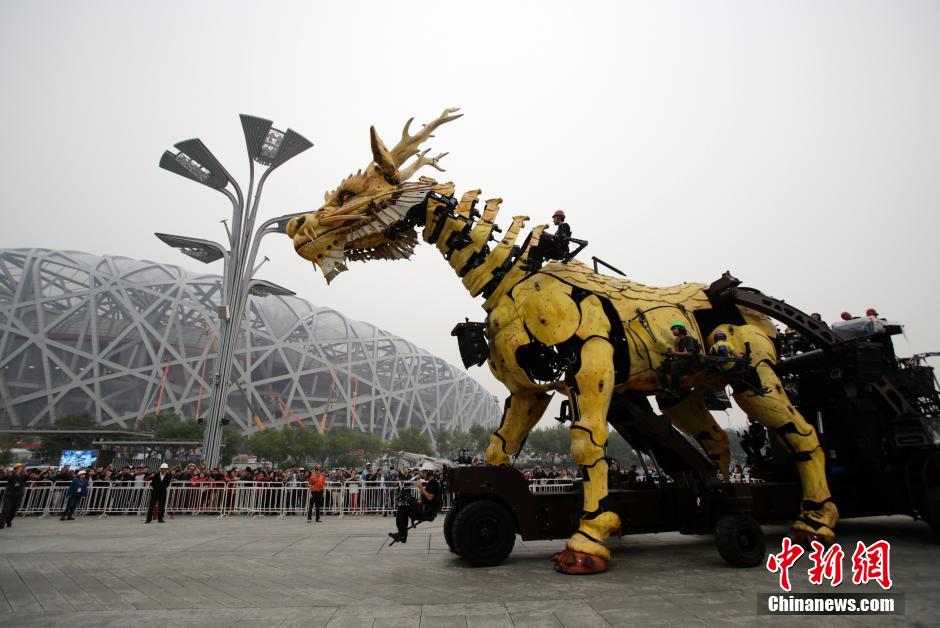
[362,219]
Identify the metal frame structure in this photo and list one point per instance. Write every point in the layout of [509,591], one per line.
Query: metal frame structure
[104,335]
[268,148]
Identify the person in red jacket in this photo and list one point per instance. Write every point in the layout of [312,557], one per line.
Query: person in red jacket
[315,486]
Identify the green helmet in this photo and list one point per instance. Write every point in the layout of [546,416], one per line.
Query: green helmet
[677,324]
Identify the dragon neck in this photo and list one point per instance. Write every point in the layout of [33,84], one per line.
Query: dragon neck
[465,238]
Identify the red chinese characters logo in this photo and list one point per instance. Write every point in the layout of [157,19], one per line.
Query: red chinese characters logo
[783,561]
[872,562]
[826,565]
[869,563]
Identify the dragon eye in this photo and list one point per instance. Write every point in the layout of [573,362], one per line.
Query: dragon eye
[344,196]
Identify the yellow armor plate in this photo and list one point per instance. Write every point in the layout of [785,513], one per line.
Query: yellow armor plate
[546,305]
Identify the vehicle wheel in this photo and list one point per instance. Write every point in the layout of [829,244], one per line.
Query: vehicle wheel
[449,528]
[740,540]
[483,533]
[931,510]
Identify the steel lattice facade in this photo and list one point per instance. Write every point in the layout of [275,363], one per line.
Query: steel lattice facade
[118,338]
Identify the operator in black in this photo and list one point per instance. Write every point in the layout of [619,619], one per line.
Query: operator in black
[159,484]
[684,353]
[562,229]
[555,245]
[13,495]
[425,509]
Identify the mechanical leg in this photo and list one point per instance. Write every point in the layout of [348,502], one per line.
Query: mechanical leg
[818,516]
[692,417]
[584,552]
[522,411]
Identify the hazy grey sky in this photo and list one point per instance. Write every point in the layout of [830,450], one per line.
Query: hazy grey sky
[796,144]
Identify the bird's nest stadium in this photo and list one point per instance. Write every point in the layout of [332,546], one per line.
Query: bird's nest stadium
[119,338]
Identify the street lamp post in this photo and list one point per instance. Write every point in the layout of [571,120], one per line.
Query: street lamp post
[268,148]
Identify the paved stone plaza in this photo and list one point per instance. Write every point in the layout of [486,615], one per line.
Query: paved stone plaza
[282,572]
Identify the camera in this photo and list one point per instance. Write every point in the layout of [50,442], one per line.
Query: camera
[464,457]
[405,496]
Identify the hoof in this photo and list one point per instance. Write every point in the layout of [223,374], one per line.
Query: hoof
[805,538]
[579,563]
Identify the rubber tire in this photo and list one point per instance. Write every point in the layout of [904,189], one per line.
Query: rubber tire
[484,533]
[740,540]
[931,510]
[449,528]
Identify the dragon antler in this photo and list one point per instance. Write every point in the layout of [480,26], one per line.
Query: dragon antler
[408,145]
[422,161]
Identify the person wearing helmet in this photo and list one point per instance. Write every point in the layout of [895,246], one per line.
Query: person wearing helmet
[562,229]
[425,509]
[159,484]
[77,490]
[722,349]
[683,344]
[554,245]
[683,355]
[13,495]
[872,324]
[846,316]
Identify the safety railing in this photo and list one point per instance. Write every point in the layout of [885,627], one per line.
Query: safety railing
[36,498]
[122,498]
[197,498]
[259,498]
[349,498]
[43,499]
[551,485]
[296,499]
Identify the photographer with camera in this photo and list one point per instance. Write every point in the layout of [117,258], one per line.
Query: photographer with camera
[424,509]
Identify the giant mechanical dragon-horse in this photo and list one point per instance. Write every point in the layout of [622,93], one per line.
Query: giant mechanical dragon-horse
[559,326]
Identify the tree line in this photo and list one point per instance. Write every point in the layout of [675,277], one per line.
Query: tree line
[340,446]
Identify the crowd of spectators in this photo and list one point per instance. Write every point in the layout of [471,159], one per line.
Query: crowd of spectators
[353,479]
[346,484]
[352,483]
[67,474]
[300,474]
[294,474]
[553,473]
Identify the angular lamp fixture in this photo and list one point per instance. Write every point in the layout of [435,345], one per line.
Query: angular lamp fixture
[262,288]
[205,251]
[196,163]
[269,146]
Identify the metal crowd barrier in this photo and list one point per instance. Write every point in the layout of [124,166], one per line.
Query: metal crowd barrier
[42,498]
[258,498]
[296,498]
[198,498]
[334,498]
[349,498]
[124,498]
[551,485]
